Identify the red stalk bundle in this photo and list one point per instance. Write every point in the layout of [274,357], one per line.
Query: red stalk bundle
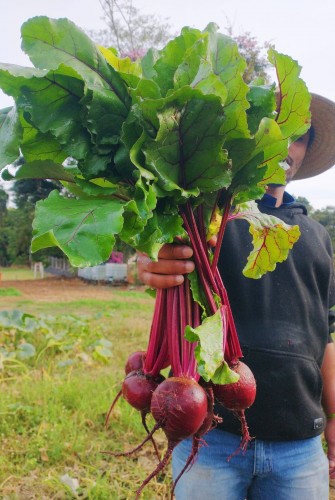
[180,406]
[240,395]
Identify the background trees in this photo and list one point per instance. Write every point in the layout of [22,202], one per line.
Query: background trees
[26,192]
[254,53]
[129,31]
[16,220]
[326,217]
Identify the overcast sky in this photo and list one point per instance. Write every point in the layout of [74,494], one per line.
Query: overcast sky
[304,29]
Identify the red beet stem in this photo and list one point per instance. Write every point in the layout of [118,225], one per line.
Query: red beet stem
[157,351]
[134,450]
[233,349]
[144,423]
[246,438]
[209,276]
[112,407]
[158,469]
[173,333]
[189,462]
[226,210]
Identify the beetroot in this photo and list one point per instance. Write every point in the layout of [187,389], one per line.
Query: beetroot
[135,361]
[179,406]
[208,424]
[238,395]
[137,389]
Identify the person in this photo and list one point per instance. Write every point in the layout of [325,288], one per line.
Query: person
[283,322]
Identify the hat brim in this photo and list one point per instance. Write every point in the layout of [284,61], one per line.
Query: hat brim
[320,154]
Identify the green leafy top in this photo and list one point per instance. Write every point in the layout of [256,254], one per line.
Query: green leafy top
[208,352]
[143,137]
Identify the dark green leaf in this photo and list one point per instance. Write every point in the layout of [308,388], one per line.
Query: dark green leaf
[51,103]
[262,101]
[52,42]
[83,229]
[187,152]
[97,187]
[160,229]
[104,119]
[38,146]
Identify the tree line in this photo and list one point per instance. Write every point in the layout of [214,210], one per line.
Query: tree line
[16,221]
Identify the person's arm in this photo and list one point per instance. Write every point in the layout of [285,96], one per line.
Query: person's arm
[173,262]
[328,403]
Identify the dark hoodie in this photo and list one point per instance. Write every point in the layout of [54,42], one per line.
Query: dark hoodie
[283,326]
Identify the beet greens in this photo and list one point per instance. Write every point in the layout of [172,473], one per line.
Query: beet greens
[168,148]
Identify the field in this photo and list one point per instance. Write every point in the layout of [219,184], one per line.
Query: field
[62,355]
[59,372]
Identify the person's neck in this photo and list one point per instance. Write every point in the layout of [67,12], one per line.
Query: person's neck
[277,192]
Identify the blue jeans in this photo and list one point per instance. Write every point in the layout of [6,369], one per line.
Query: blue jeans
[269,470]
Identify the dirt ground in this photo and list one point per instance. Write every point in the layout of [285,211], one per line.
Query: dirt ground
[59,289]
[69,289]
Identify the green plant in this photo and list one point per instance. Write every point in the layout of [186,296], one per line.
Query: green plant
[161,147]
[9,292]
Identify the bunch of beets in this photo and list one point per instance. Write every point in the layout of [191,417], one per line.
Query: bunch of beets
[182,405]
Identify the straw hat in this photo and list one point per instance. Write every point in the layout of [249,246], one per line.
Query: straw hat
[320,155]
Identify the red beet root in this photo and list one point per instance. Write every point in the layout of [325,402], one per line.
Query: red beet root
[239,395]
[208,424]
[179,406]
[137,389]
[135,361]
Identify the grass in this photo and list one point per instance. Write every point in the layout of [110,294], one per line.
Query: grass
[16,273]
[59,376]
[9,292]
[59,373]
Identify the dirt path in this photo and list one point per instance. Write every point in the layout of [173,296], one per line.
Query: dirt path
[59,290]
